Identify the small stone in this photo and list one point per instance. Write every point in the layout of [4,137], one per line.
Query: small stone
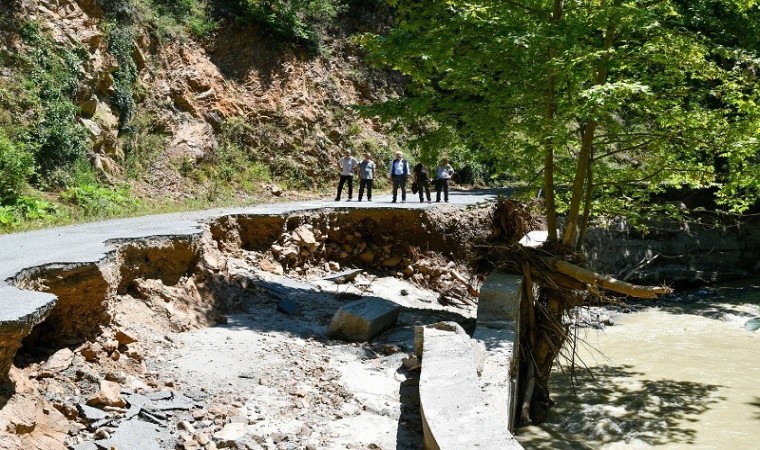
[111,345]
[90,351]
[185,425]
[390,349]
[411,362]
[202,438]
[124,338]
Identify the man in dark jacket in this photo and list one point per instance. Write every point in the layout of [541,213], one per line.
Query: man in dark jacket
[399,173]
[422,179]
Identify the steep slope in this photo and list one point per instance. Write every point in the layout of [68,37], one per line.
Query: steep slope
[204,119]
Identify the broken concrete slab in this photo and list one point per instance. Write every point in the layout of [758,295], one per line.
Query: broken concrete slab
[90,413]
[134,435]
[496,331]
[364,319]
[464,420]
[86,446]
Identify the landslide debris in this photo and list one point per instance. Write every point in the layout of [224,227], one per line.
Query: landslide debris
[200,352]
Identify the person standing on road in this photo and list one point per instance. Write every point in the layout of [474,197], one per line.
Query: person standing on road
[366,176]
[423,180]
[347,165]
[399,173]
[443,174]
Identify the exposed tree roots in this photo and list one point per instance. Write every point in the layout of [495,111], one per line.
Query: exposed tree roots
[555,282]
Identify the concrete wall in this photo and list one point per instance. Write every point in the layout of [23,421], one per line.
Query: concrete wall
[679,252]
[466,385]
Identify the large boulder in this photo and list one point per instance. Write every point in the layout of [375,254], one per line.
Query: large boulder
[364,319]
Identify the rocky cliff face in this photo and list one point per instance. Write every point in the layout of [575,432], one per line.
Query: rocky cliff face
[290,110]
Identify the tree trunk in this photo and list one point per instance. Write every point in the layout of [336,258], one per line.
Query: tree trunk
[550,113]
[586,205]
[542,332]
[587,142]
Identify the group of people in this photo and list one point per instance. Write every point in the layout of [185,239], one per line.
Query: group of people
[398,172]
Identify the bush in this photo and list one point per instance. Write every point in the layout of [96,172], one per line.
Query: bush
[16,167]
[25,208]
[50,76]
[100,201]
[298,21]
[120,45]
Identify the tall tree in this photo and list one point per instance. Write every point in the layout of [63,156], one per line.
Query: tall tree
[612,100]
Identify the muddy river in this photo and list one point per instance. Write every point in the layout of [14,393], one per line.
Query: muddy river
[685,373]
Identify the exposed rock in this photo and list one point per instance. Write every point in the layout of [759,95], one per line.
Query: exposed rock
[124,338]
[367,256]
[230,434]
[304,237]
[109,395]
[270,266]
[392,261]
[59,362]
[90,350]
[37,424]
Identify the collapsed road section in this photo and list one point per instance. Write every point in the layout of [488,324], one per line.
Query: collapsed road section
[218,329]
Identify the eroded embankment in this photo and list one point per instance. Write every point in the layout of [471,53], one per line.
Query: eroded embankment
[111,317]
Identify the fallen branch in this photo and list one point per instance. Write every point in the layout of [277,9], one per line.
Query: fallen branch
[606,281]
[470,289]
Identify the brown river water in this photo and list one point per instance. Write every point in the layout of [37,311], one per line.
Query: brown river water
[683,374]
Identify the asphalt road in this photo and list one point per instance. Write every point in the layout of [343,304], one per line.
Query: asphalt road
[91,242]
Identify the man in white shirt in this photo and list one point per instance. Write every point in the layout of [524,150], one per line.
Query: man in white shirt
[398,173]
[347,165]
[443,174]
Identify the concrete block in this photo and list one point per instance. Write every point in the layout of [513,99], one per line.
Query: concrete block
[499,298]
[364,319]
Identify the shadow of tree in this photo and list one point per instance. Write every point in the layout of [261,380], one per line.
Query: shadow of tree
[615,407]
[756,404]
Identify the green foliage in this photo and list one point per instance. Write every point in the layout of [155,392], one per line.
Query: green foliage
[49,75]
[123,12]
[190,15]
[16,167]
[233,165]
[298,21]
[144,144]
[25,209]
[121,46]
[657,91]
[100,201]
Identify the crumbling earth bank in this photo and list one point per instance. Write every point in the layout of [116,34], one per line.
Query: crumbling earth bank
[130,358]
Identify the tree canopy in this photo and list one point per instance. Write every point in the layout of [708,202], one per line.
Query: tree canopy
[605,101]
